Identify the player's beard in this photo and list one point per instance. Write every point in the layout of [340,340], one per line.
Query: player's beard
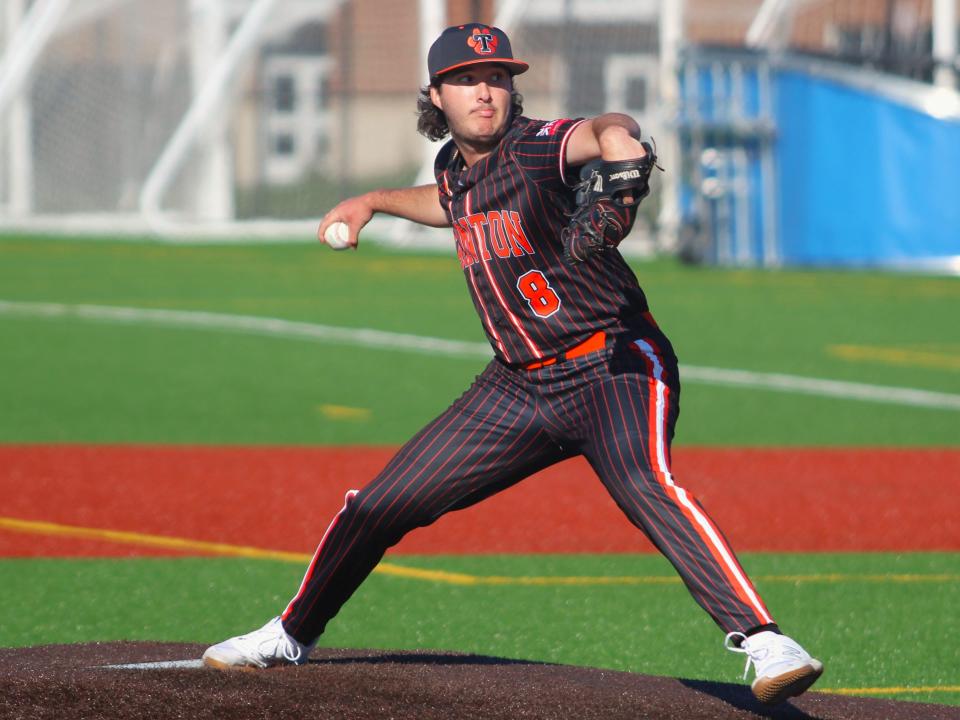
[480,143]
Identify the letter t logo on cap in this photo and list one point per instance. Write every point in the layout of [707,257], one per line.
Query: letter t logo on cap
[483,41]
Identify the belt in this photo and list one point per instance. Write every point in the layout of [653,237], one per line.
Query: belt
[597,341]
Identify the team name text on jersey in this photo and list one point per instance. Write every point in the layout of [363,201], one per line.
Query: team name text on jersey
[494,234]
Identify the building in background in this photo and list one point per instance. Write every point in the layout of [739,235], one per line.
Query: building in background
[188,116]
[786,134]
[354,78]
[296,120]
[893,36]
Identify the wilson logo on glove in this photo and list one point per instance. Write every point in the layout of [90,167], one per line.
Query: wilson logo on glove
[607,199]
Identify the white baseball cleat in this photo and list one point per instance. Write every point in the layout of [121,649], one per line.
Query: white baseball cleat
[782,668]
[263,648]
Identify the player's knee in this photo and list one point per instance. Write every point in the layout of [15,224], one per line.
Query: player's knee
[381,518]
[364,511]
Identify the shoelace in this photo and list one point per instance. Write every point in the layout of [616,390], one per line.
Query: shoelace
[729,645]
[289,648]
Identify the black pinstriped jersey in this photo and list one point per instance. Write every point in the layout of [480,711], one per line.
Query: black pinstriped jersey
[507,212]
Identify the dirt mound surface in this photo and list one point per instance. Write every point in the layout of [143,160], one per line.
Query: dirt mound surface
[73,681]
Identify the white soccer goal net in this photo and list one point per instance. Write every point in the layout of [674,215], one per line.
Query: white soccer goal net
[240,118]
[253,117]
[148,116]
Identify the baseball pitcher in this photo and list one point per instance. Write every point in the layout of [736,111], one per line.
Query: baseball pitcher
[537,209]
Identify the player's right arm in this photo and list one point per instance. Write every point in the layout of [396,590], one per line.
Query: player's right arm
[421,204]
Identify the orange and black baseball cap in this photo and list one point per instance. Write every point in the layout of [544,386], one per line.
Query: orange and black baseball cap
[471,44]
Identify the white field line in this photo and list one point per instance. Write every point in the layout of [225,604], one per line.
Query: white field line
[819,386]
[252,324]
[383,340]
[162,665]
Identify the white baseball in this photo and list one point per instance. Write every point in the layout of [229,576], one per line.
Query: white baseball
[337,236]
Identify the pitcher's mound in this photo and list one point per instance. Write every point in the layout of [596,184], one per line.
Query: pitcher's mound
[165,681]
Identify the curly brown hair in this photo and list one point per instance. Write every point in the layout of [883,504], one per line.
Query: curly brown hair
[432,123]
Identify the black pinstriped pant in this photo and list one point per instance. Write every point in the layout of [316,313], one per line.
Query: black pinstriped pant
[617,407]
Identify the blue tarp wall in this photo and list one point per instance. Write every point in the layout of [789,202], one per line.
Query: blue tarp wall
[863,179]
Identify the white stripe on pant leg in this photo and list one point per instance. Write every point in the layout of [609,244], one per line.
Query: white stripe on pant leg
[346,499]
[702,521]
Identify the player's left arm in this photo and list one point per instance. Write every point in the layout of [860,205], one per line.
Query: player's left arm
[614,179]
[613,136]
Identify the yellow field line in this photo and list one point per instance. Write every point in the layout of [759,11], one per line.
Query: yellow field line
[891,690]
[344,412]
[172,543]
[862,577]
[466,579]
[38,527]
[897,356]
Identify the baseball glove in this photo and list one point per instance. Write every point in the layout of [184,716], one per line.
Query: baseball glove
[607,199]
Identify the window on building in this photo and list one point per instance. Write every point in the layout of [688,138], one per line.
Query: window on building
[630,82]
[283,144]
[323,144]
[284,94]
[635,92]
[323,92]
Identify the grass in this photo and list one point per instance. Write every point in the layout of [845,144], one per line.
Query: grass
[65,380]
[320,190]
[869,632]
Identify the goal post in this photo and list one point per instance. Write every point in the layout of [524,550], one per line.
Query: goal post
[25,34]
[251,118]
[213,73]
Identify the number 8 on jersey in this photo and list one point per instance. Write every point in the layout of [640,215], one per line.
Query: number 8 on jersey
[537,292]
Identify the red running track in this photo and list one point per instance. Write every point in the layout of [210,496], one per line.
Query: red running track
[282,498]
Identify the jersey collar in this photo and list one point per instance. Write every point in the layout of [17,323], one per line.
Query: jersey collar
[449,164]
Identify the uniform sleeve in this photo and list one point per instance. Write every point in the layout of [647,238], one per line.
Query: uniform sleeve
[541,148]
[440,174]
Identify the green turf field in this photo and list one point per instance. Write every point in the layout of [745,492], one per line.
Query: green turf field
[872,629]
[66,378]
